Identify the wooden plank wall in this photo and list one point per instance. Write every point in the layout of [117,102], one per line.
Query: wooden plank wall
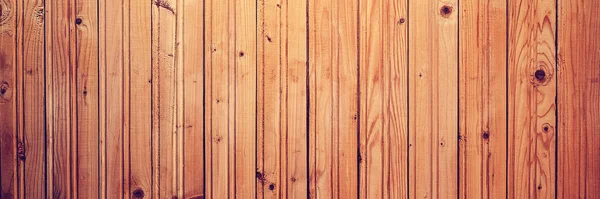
[299,99]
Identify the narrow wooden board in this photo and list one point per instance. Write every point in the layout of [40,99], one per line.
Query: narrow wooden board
[192,57]
[245,70]
[578,95]
[483,66]
[164,16]
[87,95]
[433,98]
[383,95]
[219,98]
[33,136]
[333,71]
[282,106]
[8,99]
[140,147]
[60,87]
[531,99]
[112,120]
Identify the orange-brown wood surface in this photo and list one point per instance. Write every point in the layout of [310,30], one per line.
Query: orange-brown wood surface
[299,99]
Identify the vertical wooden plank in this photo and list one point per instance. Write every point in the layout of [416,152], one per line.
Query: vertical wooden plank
[531,99]
[296,73]
[87,95]
[140,98]
[8,99]
[219,99]
[111,97]
[372,90]
[60,86]
[396,104]
[384,114]
[433,98]
[483,133]
[245,98]
[193,88]
[271,130]
[33,96]
[164,15]
[333,41]
[578,95]
[282,143]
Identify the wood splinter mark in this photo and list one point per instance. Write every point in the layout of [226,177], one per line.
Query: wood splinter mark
[164,4]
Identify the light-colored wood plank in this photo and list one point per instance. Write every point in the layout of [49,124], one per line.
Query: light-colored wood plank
[192,55]
[433,98]
[296,72]
[33,97]
[8,99]
[483,133]
[282,111]
[245,98]
[219,98]
[271,122]
[87,97]
[578,95]
[112,60]
[164,22]
[384,114]
[531,99]
[372,91]
[333,63]
[140,99]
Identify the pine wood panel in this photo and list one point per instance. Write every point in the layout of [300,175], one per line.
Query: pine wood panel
[483,132]
[8,99]
[531,99]
[282,110]
[191,54]
[297,99]
[33,96]
[112,120]
[218,93]
[383,99]
[139,150]
[433,98]
[578,94]
[333,75]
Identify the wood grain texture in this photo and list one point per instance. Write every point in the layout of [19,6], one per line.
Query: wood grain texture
[61,108]
[282,109]
[531,99]
[299,99]
[219,109]
[192,68]
[140,98]
[87,134]
[383,95]
[333,75]
[245,85]
[34,94]
[433,98]
[578,95]
[164,80]
[483,66]
[111,79]
[8,99]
